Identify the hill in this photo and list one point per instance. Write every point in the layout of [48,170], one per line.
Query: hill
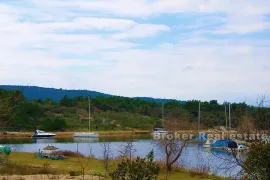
[35,92]
[118,113]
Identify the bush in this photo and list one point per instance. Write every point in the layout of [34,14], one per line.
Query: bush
[69,153]
[134,169]
[257,162]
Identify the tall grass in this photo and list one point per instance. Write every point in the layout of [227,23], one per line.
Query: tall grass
[10,168]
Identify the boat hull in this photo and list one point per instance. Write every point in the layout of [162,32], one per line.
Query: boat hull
[86,135]
[43,136]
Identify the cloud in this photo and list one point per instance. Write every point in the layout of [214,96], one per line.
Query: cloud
[142,30]
[160,48]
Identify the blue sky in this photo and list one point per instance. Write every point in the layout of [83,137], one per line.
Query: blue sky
[199,49]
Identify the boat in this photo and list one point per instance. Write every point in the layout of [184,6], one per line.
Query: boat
[236,146]
[200,137]
[42,134]
[220,144]
[87,134]
[159,130]
[228,145]
[208,143]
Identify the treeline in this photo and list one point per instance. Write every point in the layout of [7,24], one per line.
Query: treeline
[120,113]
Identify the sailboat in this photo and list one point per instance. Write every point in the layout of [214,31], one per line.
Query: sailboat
[87,134]
[214,143]
[200,137]
[228,144]
[160,131]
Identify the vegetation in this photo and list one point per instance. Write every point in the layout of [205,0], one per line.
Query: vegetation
[257,164]
[27,164]
[133,169]
[111,113]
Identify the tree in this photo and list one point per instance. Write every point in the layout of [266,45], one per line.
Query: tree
[27,115]
[9,100]
[134,169]
[107,156]
[171,146]
[54,124]
[68,102]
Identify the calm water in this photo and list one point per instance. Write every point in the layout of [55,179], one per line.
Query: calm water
[194,156]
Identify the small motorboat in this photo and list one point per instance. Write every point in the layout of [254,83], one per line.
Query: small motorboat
[159,131]
[42,134]
[236,146]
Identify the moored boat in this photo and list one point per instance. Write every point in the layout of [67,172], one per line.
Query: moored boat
[159,131]
[87,134]
[42,134]
[208,143]
[228,145]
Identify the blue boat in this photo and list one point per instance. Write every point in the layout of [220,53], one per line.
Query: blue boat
[221,144]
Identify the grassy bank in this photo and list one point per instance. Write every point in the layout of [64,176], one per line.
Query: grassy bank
[22,164]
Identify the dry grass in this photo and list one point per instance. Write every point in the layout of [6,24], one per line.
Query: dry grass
[27,166]
[69,154]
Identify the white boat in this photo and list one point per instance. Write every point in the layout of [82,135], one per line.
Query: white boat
[86,134]
[208,143]
[42,134]
[238,147]
[160,131]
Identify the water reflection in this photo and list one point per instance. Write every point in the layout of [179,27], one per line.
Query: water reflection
[85,140]
[43,140]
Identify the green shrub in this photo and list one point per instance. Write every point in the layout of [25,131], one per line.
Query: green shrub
[134,169]
[257,162]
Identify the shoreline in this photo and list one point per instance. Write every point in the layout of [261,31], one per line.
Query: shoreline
[69,134]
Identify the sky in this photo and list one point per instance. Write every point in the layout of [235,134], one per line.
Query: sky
[180,49]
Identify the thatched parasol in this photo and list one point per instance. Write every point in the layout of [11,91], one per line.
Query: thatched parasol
[49,149]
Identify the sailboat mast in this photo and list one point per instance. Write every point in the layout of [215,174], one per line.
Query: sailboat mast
[226,116]
[163,114]
[199,116]
[230,125]
[89,111]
